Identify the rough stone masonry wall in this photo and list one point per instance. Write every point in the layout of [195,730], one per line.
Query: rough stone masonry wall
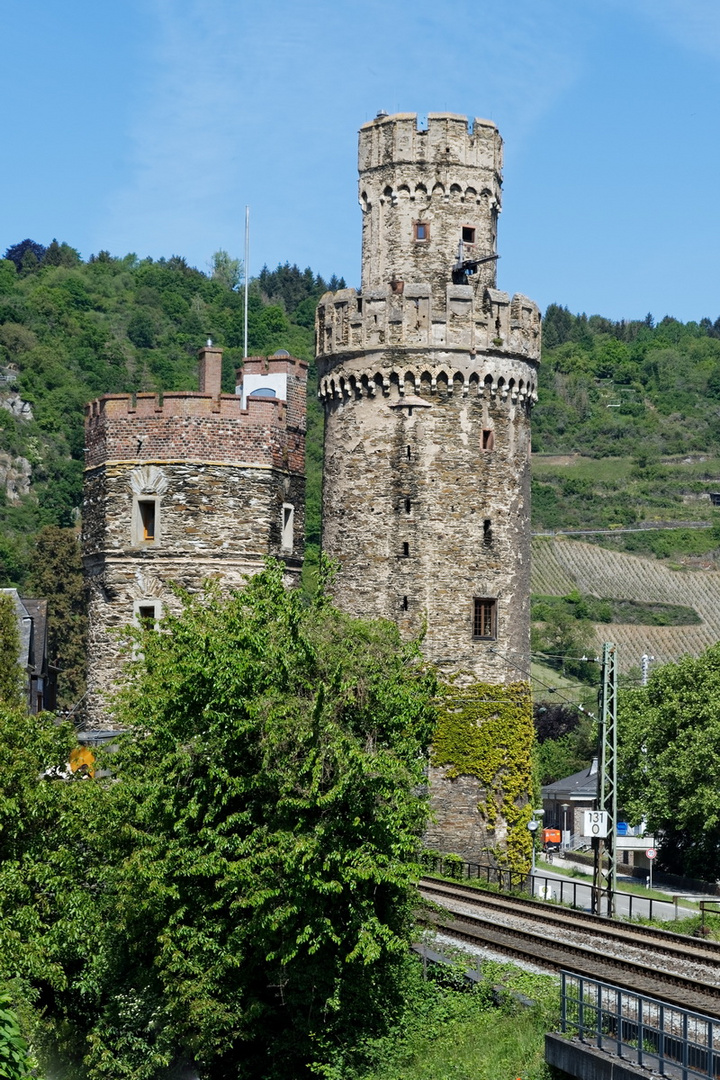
[422,519]
[213,522]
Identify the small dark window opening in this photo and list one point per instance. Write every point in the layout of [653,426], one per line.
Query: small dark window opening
[487,531]
[488,439]
[484,618]
[468,235]
[421,230]
[406,549]
[408,506]
[408,453]
[146,617]
[405,603]
[359,305]
[147,518]
[626,858]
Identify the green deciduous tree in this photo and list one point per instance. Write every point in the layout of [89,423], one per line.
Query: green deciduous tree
[226,269]
[242,893]
[11,675]
[57,576]
[14,1057]
[670,761]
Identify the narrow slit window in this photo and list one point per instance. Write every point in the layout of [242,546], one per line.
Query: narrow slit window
[288,527]
[408,506]
[468,235]
[408,453]
[147,518]
[484,618]
[487,531]
[405,603]
[406,549]
[488,439]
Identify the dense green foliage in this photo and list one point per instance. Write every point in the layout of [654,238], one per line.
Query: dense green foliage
[609,388]
[447,1030]
[670,762]
[15,1062]
[241,895]
[565,741]
[57,576]
[11,674]
[599,610]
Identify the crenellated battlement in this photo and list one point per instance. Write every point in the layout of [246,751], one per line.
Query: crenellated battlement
[448,139]
[263,423]
[348,322]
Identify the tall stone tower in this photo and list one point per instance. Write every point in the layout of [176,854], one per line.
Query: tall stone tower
[182,487]
[428,375]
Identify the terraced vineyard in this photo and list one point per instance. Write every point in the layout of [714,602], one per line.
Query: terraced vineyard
[561,565]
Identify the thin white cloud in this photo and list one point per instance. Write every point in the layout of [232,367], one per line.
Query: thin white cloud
[184,138]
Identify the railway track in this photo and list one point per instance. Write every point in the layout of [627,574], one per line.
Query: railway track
[679,969]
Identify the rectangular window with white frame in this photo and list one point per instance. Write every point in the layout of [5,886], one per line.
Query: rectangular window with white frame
[147,613]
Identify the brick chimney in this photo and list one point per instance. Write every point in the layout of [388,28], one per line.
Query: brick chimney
[210,369]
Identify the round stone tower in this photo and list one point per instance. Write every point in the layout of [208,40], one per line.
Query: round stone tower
[428,375]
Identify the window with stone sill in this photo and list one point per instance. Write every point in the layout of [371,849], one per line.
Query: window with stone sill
[146,613]
[145,526]
[421,231]
[287,541]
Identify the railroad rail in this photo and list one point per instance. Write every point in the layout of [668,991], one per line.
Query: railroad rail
[682,970]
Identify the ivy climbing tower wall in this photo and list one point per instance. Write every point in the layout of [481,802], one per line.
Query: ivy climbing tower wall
[428,375]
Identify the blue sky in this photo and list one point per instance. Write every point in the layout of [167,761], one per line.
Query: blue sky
[148,125]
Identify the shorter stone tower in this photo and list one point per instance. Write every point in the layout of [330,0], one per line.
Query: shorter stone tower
[182,487]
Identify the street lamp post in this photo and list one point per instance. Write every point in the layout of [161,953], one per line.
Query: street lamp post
[533,826]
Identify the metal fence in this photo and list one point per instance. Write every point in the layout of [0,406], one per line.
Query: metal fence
[575,892]
[668,1040]
[453,866]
